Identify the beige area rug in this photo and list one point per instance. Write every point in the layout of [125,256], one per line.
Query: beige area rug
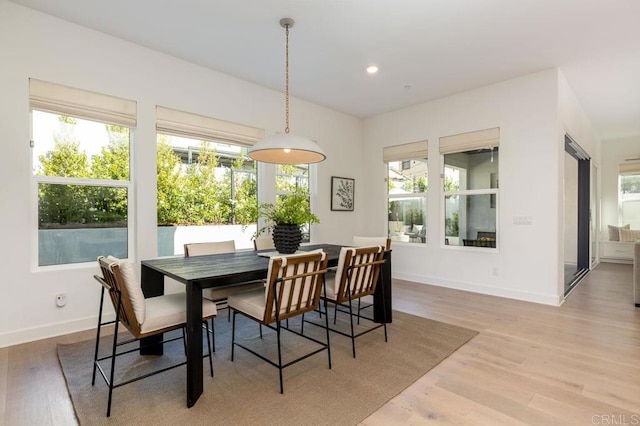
[246,391]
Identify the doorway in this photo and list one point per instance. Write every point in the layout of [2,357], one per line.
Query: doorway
[577,195]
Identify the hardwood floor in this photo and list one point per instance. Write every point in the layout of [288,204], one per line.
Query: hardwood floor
[530,364]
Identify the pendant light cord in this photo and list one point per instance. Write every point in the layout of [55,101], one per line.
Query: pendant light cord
[286,79]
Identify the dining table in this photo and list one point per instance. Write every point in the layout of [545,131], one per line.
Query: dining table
[226,270]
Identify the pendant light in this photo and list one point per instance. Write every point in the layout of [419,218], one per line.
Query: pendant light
[286,148]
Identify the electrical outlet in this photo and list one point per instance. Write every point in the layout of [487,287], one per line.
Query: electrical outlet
[61,300]
[495,271]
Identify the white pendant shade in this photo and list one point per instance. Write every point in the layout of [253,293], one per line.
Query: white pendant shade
[287,149]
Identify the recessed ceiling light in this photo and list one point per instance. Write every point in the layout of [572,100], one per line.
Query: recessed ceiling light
[372,69]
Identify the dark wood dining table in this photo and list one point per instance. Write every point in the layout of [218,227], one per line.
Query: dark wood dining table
[224,270]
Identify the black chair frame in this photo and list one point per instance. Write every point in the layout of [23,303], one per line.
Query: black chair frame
[96,360]
[348,308]
[278,329]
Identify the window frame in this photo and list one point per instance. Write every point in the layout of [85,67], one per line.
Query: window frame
[204,128]
[36,180]
[466,192]
[192,158]
[628,197]
[421,195]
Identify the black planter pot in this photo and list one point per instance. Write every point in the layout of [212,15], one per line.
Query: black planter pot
[287,238]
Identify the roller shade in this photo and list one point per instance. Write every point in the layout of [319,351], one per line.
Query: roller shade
[470,141]
[194,126]
[627,169]
[64,100]
[406,151]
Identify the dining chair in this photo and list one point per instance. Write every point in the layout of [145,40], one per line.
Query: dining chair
[212,247]
[370,241]
[356,277]
[219,296]
[219,247]
[294,285]
[141,317]
[263,243]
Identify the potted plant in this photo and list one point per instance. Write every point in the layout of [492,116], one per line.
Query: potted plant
[284,219]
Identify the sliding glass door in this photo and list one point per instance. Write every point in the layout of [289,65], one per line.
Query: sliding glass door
[577,195]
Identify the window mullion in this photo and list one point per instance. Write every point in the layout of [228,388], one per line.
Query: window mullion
[472,192]
[82,181]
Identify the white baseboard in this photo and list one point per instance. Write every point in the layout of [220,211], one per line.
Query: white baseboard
[51,330]
[546,299]
[26,335]
[616,260]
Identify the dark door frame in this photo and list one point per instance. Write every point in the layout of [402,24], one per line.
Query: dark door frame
[584,194]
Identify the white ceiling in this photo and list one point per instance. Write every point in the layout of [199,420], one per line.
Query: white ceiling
[425,49]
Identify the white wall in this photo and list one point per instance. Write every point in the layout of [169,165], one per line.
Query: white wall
[37,45]
[614,152]
[533,113]
[528,261]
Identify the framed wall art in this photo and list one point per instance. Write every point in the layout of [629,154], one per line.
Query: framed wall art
[342,193]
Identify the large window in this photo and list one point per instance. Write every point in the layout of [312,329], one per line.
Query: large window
[629,194]
[80,157]
[207,187]
[407,184]
[470,189]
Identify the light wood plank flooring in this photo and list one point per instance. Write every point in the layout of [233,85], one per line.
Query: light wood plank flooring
[531,364]
[578,364]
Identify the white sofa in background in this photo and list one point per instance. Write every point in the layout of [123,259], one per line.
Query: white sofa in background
[616,251]
[619,248]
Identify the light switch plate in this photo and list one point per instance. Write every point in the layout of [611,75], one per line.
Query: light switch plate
[522,220]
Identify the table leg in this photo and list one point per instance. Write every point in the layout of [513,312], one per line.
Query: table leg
[382,310]
[152,285]
[194,343]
